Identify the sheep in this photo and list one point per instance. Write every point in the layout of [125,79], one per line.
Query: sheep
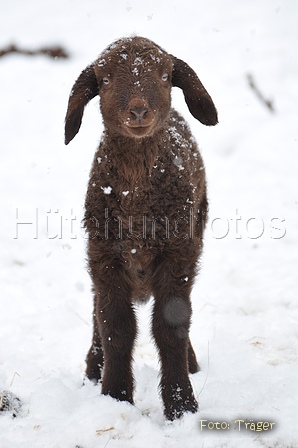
[145,213]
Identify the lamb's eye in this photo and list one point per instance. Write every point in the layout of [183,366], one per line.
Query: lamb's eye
[105,81]
[165,77]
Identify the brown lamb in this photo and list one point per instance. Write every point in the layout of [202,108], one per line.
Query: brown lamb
[145,213]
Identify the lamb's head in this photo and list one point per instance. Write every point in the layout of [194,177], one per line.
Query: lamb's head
[133,78]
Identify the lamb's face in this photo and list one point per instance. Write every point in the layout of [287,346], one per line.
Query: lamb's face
[134,78]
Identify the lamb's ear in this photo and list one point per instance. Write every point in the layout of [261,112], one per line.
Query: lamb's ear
[84,89]
[196,96]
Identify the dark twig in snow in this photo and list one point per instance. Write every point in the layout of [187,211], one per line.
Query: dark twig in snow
[267,103]
[54,52]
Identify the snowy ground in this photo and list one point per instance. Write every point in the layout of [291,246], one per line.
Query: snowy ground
[245,301]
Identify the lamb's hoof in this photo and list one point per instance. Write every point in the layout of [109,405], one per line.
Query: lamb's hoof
[94,368]
[194,368]
[180,404]
[87,380]
[175,412]
[119,395]
[9,402]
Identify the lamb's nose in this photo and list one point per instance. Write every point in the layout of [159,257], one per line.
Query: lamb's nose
[138,112]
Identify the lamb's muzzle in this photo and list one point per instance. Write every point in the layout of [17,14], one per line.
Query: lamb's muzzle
[140,119]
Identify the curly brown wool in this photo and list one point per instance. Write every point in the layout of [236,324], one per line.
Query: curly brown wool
[145,213]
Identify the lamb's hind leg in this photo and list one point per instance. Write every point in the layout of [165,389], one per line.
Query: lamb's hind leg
[193,365]
[95,355]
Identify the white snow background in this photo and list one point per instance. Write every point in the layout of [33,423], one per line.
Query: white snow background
[245,301]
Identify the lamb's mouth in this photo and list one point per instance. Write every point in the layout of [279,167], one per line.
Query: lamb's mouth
[138,129]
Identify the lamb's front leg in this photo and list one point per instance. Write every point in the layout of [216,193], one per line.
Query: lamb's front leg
[170,327]
[116,323]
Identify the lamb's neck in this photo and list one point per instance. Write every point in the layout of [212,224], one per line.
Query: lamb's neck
[133,158]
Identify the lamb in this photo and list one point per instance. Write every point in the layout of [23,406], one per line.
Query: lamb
[145,213]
